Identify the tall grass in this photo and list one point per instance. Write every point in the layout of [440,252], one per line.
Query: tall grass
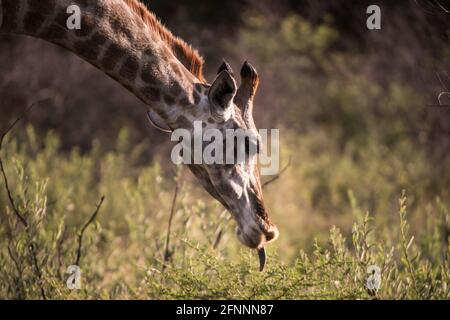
[123,252]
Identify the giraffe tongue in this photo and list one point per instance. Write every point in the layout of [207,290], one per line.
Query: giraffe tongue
[262,258]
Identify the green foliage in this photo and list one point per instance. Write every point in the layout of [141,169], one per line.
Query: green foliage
[123,251]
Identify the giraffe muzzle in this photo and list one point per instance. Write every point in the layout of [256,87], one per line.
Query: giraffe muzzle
[256,237]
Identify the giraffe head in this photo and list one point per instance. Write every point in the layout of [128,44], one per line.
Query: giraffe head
[237,186]
[127,42]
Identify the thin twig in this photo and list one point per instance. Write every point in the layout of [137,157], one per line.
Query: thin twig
[218,238]
[167,251]
[80,235]
[2,168]
[16,263]
[442,82]
[10,198]
[12,125]
[20,217]
[439,5]
[37,269]
[19,272]
[277,176]
[59,248]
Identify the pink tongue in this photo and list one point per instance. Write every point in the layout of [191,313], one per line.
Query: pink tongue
[262,258]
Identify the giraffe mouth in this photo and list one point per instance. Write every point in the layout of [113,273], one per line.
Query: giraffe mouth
[257,234]
[260,232]
[258,239]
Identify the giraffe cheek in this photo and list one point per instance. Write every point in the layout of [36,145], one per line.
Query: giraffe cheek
[238,190]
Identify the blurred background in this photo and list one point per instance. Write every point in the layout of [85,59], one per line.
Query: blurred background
[354,107]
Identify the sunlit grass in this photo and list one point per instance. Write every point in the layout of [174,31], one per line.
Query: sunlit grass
[123,250]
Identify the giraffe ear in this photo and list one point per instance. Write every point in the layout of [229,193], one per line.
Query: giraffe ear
[247,90]
[250,79]
[225,66]
[221,96]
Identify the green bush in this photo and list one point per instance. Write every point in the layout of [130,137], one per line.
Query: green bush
[123,253]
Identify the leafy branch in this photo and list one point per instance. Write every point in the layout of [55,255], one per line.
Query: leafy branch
[20,216]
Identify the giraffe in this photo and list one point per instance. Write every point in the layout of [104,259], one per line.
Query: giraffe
[128,43]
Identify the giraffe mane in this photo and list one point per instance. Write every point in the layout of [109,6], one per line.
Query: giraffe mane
[187,55]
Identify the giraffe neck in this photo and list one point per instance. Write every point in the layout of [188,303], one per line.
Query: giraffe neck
[115,39]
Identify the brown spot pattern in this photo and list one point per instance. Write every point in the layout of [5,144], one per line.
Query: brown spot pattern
[175,89]
[10,19]
[87,49]
[185,102]
[112,56]
[168,99]
[33,21]
[55,32]
[198,87]
[196,97]
[147,74]
[183,122]
[84,3]
[87,25]
[129,68]
[120,26]
[41,5]
[98,38]
[61,19]
[151,93]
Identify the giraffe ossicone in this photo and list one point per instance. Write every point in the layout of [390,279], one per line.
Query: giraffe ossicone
[128,43]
